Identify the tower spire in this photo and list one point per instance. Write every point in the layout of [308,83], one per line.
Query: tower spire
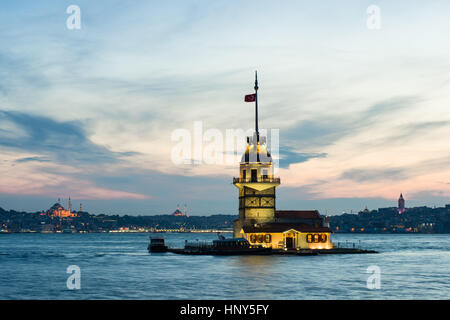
[256,106]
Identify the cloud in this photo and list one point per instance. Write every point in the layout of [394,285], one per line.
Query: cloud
[17,72]
[406,133]
[288,157]
[313,132]
[373,174]
[386,107]
[32,159]
[64,142]
[322,130]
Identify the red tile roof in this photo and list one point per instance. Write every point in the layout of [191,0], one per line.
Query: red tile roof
[282,227]
[297,214]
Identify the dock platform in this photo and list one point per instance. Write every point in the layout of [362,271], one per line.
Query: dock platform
[306,252]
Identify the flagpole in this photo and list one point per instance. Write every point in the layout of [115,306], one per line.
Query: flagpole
[256,106]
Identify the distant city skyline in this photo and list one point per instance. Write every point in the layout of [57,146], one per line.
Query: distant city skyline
[362,114]
[325,207]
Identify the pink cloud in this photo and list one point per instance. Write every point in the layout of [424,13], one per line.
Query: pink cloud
[29,180]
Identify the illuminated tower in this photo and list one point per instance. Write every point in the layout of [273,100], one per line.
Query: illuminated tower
[256,182]
[401,204]
[70,206]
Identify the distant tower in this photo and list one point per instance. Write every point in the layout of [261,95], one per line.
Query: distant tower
[401,204]
[81,207]
[185,210]
[70,206]
[59,201]
[256,181]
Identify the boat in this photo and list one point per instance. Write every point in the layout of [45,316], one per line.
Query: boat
[157,245]
[222,246]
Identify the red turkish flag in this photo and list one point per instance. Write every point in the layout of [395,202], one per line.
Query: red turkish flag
[250,98]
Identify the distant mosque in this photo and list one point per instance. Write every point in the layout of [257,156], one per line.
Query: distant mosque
[179,213]
[259,222]
[57,210]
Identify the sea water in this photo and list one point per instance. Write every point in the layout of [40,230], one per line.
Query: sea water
[118,266]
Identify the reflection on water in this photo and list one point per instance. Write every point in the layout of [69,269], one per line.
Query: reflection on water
[253,262]
[260,265]
[118,266]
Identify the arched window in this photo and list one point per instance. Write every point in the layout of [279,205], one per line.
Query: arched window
[260,238]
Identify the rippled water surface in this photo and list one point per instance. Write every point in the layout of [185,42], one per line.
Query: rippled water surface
[118,266]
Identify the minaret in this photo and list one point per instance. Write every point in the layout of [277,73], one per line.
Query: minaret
[256,182]
[70,206]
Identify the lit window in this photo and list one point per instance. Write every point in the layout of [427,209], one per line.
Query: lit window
[316,238]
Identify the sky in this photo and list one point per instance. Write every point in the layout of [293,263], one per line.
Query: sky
[363,113]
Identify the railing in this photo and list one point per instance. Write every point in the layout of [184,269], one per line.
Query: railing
[348,245]
[258,180]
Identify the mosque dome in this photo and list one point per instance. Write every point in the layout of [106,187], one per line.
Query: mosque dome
[56,207]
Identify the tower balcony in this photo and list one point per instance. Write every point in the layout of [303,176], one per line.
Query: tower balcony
[259,183]
[257,180]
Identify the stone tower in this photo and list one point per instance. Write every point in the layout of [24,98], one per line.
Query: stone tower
[401,204]
[256,181]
